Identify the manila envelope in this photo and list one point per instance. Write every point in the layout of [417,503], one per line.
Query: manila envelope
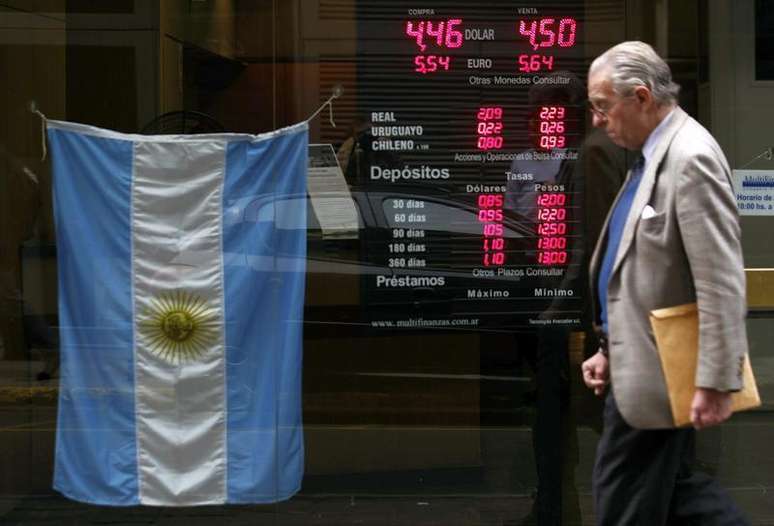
[676,330]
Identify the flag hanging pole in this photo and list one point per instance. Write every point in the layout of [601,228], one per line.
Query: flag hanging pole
[34,109]
[337,91]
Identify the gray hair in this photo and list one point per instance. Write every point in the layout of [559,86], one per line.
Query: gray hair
[633,64]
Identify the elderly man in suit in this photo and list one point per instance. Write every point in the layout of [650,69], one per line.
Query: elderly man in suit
[671,237]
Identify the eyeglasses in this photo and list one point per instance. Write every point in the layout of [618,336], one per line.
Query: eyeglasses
[602,111]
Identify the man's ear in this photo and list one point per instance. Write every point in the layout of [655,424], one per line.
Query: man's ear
[643,95]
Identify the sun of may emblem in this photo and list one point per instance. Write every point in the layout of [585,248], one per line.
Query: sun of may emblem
[179,326]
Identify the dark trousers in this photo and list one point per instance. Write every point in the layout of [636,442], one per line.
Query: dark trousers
[646,478]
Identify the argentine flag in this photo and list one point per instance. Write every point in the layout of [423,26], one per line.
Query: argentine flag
[181,287]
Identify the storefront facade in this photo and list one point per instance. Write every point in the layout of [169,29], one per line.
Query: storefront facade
[454,193]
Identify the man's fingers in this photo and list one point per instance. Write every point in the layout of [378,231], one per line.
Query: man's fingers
[710,408]
[595,373]
[705,417]
[593,381]
[598,386]
[588,376]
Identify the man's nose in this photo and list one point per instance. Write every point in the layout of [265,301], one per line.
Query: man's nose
[597,119]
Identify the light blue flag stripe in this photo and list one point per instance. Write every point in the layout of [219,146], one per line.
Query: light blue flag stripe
[96,455]
[264,240]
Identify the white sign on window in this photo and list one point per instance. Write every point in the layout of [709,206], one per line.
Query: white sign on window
[754,190]
[329,192]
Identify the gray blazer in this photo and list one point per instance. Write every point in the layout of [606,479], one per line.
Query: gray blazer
[690,250]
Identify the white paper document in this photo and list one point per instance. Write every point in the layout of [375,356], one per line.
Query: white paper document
[331,200]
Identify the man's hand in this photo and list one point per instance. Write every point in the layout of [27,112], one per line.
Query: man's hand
[596,373]
[710,407]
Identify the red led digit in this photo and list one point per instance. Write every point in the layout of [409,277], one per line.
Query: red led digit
[546,31]
[453,36]
[567,30]
[419,62]
[445,62]
[529,32]
[418,33]
[524,63]
[435,30]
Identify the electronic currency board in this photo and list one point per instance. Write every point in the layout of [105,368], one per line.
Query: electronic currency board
[471,116]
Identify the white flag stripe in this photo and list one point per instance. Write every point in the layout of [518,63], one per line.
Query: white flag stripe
[179,344]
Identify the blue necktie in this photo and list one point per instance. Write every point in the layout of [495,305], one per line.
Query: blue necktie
[615,231]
